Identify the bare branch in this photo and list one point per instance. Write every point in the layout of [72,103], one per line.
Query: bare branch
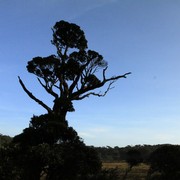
[33,97]
[79,93]
[78,77]
[104,72]
[74,84]
[108,88]
[97,94]
[56,86]
[118,77]
[49,90]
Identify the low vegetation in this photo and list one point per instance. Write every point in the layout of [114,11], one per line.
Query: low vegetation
[138,172]
[147,162]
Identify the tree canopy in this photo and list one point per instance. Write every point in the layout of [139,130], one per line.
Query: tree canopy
[72,73]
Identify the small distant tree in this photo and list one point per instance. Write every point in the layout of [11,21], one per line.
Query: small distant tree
[133,158]
[49,146]
[4,140]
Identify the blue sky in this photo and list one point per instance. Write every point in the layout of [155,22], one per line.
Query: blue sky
[141,36]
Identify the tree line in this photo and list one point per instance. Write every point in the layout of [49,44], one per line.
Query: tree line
[115,154]
[163,159]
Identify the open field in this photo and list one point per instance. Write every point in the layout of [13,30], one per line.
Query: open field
[138,172]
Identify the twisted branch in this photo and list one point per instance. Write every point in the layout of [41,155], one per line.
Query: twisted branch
[33,97]
[78,95]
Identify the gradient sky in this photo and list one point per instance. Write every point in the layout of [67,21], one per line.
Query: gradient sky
[141,36]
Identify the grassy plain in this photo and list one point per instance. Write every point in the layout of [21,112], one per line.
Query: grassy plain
[137,173]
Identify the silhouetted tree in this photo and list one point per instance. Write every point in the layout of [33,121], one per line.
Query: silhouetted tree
[165,163]
[71,74]
[49,146]
[134,157]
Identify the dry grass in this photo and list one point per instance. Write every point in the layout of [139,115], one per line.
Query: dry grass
[137,173]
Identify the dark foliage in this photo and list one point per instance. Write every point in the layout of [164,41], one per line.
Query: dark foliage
[134,157]
[53,151]
[165,163]
[4,140]
[109,154]
[46,129]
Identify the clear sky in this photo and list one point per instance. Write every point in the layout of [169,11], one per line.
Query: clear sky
[141,36]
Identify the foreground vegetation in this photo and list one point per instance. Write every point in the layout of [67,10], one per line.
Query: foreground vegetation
[127,163]
[163,163]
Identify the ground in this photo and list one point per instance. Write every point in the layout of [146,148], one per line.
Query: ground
[138,172]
